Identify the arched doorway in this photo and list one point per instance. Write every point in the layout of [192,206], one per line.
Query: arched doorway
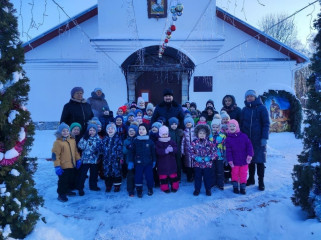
[147,74]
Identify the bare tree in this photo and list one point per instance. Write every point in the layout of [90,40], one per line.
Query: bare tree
[283,30]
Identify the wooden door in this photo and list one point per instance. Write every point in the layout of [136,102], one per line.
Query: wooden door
[152,84]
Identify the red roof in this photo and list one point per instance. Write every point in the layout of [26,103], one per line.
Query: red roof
[239,24]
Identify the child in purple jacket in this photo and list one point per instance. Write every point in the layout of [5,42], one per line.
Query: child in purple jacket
[239,153]
[166,161]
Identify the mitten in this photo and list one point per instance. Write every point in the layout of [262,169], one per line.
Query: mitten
[248,159]
[198,159]
[58,170]
[263,142]
[231,164]
[130,165]
[154,164]
[78,164]
[121,161]
[166,151]
[207,159]
[170,148]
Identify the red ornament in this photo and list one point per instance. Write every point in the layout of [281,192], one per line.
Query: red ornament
[173,28]
[169,32]
[166,40]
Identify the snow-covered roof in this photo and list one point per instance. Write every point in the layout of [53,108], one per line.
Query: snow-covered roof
[220,13]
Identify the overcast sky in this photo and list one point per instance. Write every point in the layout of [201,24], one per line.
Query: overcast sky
[37,16]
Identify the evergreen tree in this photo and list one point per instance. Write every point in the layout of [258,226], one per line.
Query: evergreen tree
[307,174]
[19,199]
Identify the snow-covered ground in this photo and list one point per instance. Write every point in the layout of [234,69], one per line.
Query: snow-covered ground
[224,215]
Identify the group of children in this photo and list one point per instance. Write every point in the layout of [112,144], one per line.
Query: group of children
[131,147]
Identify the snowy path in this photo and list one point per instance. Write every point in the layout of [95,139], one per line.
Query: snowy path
[224,215]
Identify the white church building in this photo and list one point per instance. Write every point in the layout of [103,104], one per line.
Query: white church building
[115,46]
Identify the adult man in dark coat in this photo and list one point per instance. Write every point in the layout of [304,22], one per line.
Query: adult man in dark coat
[255,123]
[77,110]
[168,109]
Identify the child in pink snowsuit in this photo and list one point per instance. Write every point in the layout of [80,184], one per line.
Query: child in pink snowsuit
[166,161]
[239,153]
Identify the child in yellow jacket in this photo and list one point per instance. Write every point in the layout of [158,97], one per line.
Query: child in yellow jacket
[66,159]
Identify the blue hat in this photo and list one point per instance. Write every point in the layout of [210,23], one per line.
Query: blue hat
[137,111]
[131,114]
[118,116]
[113,125]
[92,125]
[62,126]
[98,89]
[250,92]
[172,120]
[133,126]
[76,89]
[189,120]
[224,114]
[157,125]
[96,121]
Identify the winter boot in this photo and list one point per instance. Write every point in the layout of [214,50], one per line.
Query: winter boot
[81,192]
[62,198]
[251,180]
[167,191]
[242,188]
[260,173]
[235,187]
[71,194]
[150,192]
[196,192]
[116,188]
[95,189]
[139,191]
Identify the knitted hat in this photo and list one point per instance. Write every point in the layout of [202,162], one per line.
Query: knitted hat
[133,126]
[168,91]
[210,101]
[162,120]
[137,111]
[156,124]
[150,107]
[96,121]
[92,125]
[225,115]
[216,122]
[217,116]
[133,105]
[193,104]
[113,125]
[144,125]
[121,117]
[76,89]
[234,122]
[187,111]
[172,120]
[194,112]
[203,127]
[124,108]
[73,125]
[250,92]
[131,114]
[61,127]
[162,130]
[189,120]
[98,89]
[139,100]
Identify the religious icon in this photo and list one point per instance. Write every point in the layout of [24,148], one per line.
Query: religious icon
[279,113]
[157,8]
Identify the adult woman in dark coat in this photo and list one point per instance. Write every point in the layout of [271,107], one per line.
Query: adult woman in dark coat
[255,123]
[77,110]
[230,106]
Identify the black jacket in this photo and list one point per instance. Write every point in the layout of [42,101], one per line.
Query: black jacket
[77,111]
[168,110]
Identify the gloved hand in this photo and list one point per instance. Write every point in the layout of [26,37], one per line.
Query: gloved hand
[198,159]
[231,164]
[166,151]
[154,164]
[263,142]
[170,148]
[130,165]
[207,159]
[59,170]
[78,163]
[248,159]
[121,161]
